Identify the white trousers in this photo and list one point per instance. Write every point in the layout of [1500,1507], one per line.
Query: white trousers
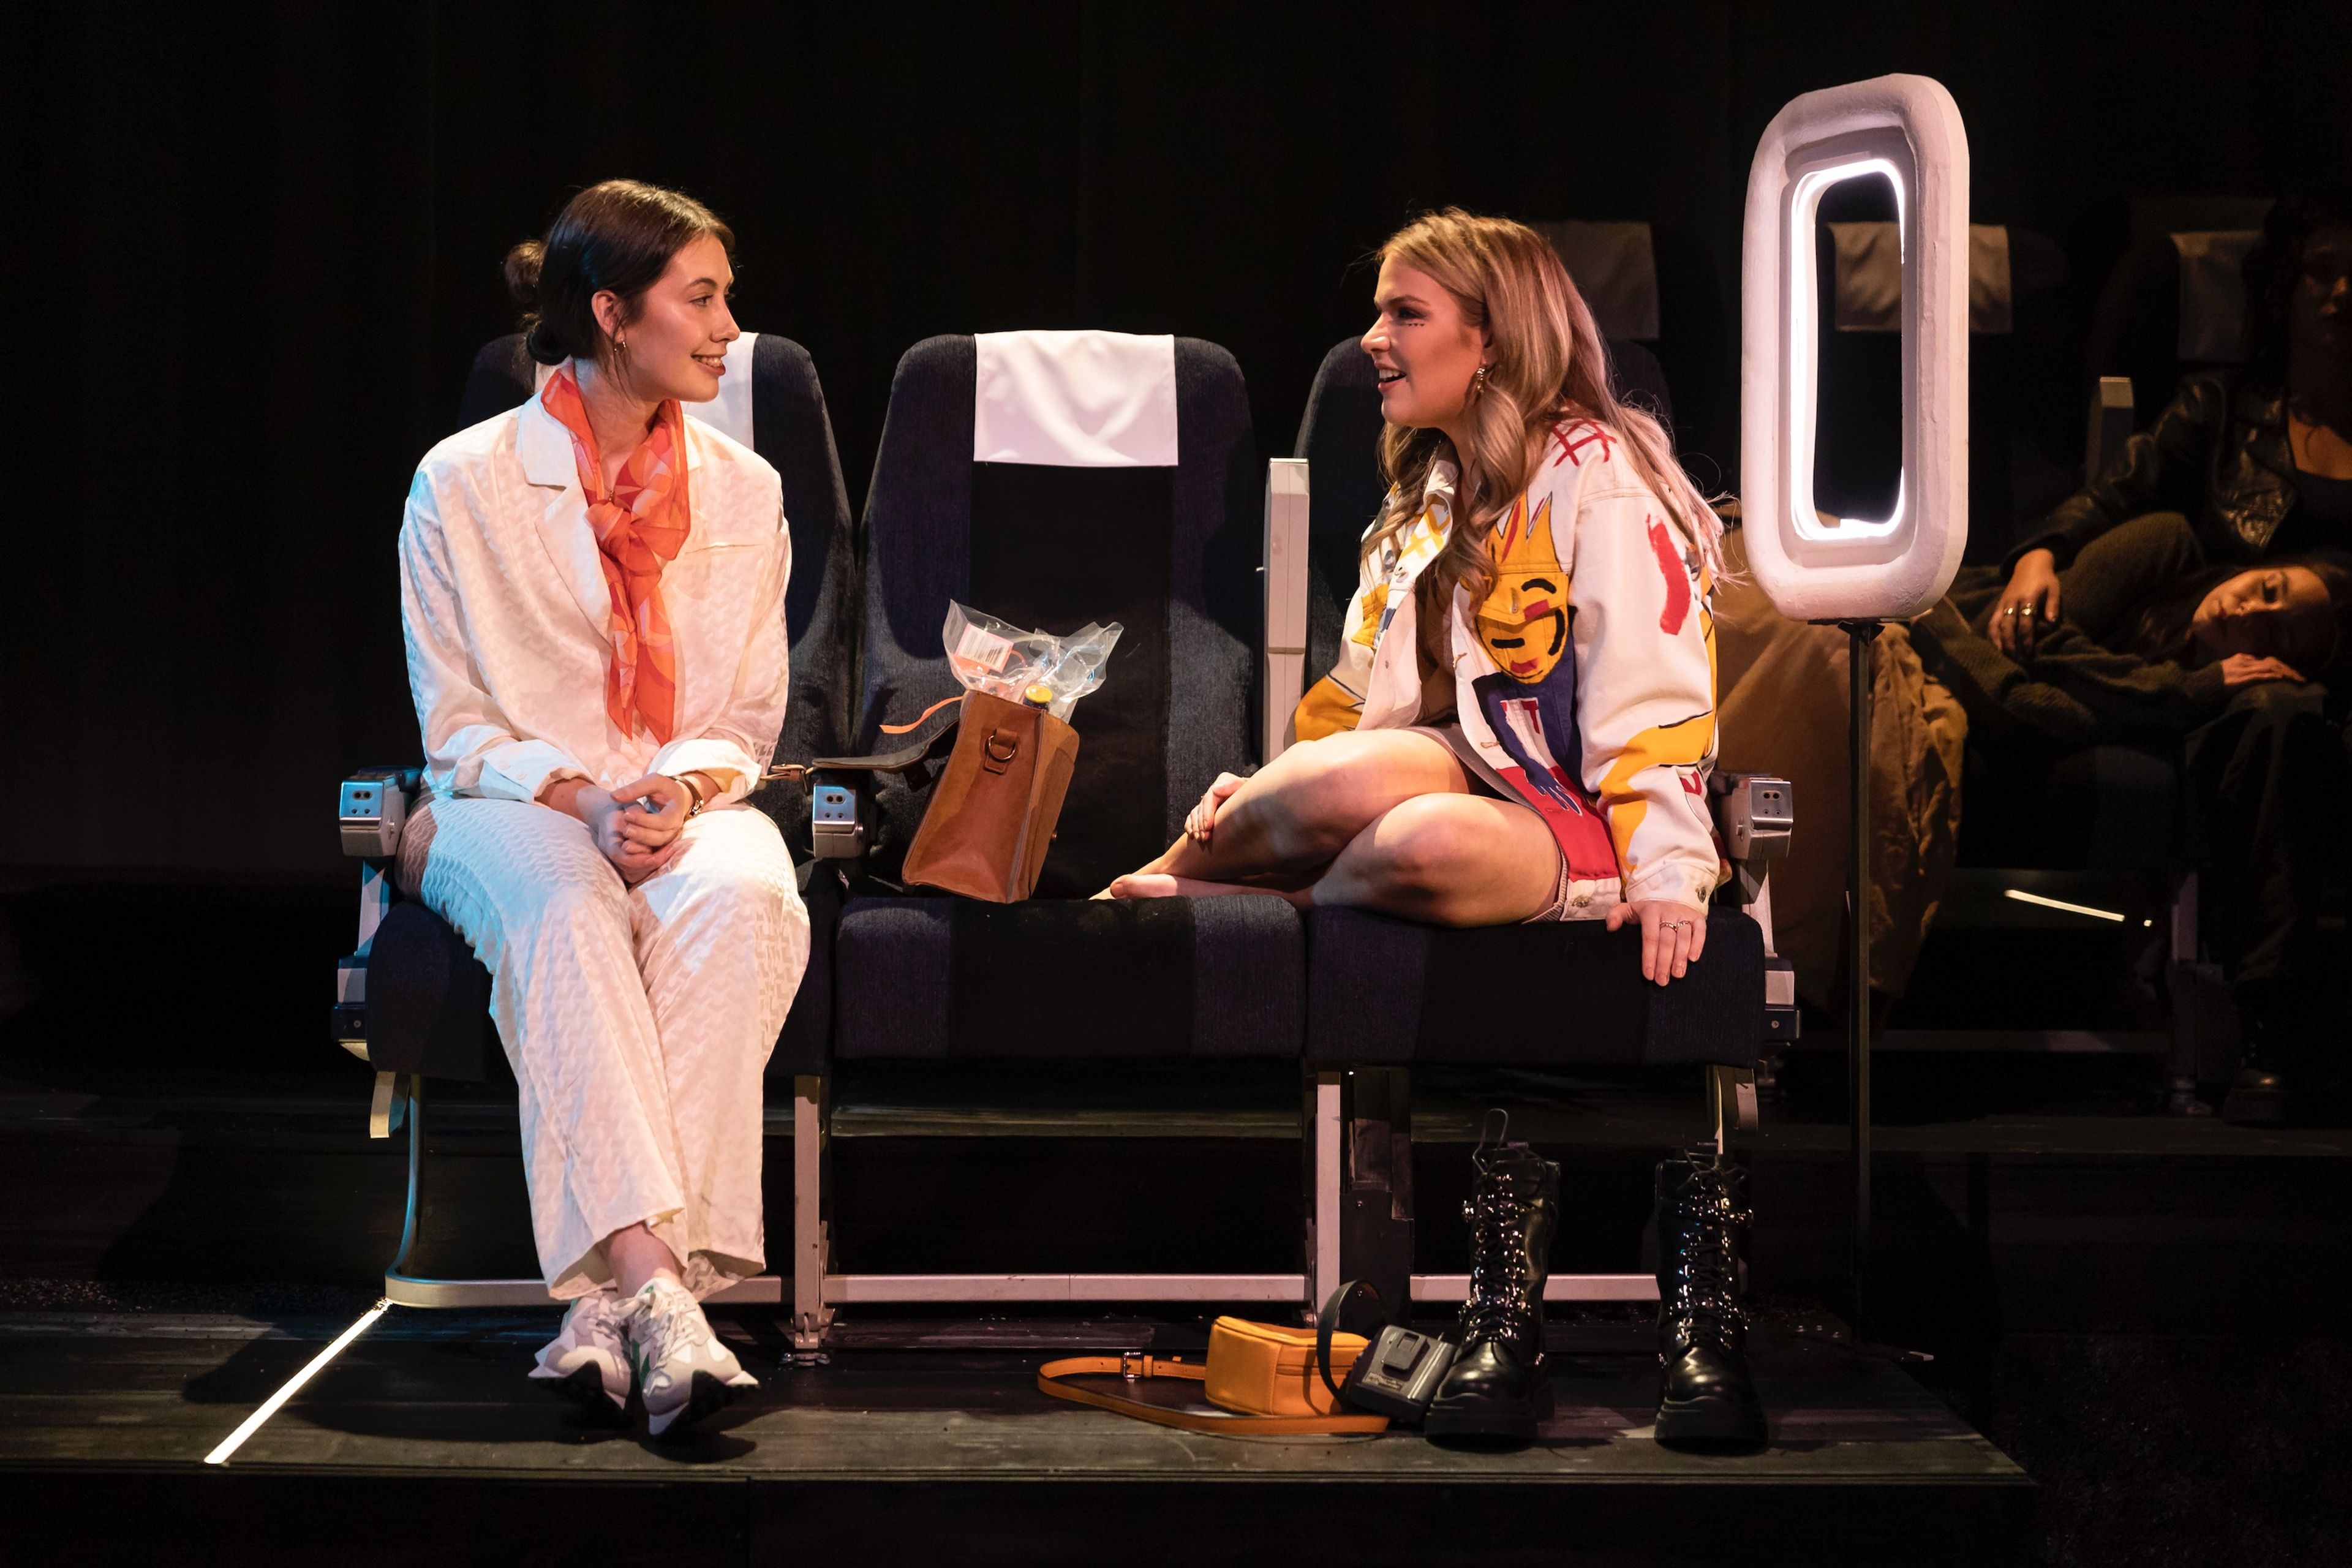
[639,1021]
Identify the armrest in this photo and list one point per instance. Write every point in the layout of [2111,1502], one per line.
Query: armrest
[2109,426]
[1755,814]
[1285,563]
[371,808]
[841,808]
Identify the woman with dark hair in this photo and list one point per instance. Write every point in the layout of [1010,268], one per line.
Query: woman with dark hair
[593,590]
[2258,465]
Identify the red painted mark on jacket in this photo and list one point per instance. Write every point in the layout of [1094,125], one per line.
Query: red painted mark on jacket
[1585,435]
[1679,588]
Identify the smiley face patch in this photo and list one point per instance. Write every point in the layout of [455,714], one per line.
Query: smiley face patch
[1523,624]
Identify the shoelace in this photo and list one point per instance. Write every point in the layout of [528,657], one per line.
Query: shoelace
[668,1331]
[1496,1212]
[603,1310]
[1703,1286]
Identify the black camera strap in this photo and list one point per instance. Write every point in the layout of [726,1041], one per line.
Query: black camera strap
[1328,1320]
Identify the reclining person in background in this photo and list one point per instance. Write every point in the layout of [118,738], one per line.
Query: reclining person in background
[2259,465]
[1519,728]
[1522,719]
[592,589]
[2155,642]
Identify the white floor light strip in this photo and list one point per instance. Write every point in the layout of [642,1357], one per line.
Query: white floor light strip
[276,1401]
[2023,897]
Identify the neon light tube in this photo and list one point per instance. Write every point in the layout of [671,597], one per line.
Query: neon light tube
[276,1402]
[2023,897]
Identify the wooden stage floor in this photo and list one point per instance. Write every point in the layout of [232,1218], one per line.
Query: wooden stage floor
[425,1439]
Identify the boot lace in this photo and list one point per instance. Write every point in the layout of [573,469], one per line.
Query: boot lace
[1497,1213]
[1704,1278]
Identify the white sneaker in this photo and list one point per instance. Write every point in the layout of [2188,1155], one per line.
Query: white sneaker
[590,1356]
[684,1373]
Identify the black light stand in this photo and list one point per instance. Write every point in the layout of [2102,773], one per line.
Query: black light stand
[1860,635]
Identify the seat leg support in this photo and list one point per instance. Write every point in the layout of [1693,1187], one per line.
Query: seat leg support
[389,1107]
[811,1245]
[1376,1183]
[1325,1135]
[1730,1104]
[2187,982]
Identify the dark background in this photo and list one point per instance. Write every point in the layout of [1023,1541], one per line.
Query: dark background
[251,250]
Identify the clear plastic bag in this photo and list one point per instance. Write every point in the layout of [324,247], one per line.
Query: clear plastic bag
[1035,667]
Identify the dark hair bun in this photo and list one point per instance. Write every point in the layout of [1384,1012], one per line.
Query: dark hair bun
[523,272]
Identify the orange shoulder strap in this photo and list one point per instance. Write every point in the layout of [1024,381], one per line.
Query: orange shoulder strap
[1049,1378]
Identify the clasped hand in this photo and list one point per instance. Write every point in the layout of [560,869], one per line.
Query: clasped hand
[635,825]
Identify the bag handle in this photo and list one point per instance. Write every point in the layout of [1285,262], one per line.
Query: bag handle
[906,759]
[1132,1366]
[1328,1319]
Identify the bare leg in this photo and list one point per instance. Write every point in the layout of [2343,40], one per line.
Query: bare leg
[1309,804]
[1449,859]
[638,1257]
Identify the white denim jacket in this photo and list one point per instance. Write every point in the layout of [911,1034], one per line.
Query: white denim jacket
[1584,684]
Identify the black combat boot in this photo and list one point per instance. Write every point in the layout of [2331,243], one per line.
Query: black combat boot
[1706,1400]
[1498,1387]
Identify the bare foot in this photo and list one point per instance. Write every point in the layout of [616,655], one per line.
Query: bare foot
[1160,885]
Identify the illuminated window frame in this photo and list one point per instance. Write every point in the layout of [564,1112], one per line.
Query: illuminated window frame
[1907,130]
[1801,386]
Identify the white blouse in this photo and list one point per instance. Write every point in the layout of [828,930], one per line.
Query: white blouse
[505,611]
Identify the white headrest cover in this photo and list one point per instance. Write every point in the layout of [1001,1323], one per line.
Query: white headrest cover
[1075,400]
[730,413]
[1869,292]
[1615,268]
[2213,293]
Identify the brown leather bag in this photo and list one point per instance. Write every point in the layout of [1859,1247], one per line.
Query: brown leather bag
[991,814]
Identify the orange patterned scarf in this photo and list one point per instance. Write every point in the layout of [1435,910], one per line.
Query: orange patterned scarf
[639,528]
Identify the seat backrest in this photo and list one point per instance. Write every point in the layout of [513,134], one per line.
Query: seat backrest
[2015,470]
[1340,438]
[2174,301]
[784,419]
[1169,551]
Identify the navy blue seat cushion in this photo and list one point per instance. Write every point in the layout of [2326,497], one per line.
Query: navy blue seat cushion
[1392,991]
[1064,979]
[428,1000]
[428,1008]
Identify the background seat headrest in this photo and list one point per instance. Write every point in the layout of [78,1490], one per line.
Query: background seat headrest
[1075,399]
[2004,265]
[2213,293]
[1616,268]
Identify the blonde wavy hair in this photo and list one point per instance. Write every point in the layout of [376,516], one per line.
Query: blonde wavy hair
[1549,362]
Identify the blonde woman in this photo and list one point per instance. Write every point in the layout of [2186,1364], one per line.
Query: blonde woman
[1518,728]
